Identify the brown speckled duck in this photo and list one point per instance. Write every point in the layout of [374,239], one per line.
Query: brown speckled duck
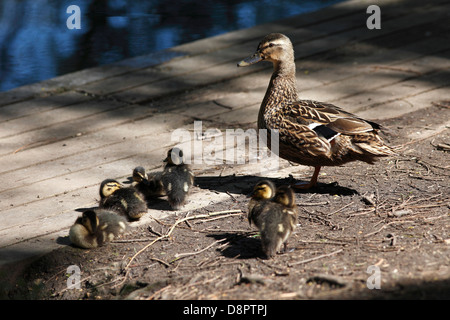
[311,133]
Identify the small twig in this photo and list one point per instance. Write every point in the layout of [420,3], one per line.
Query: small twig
[445,104]
[187,254]
[232,197]
[305,204]
[160,261]
[132,240]
[158,291]
[316,258]
[149,228]
[217,218]
[383,227]
[334,212]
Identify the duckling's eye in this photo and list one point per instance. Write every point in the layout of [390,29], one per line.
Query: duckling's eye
[271,45]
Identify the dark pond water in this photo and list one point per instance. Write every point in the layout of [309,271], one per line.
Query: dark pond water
[36,44]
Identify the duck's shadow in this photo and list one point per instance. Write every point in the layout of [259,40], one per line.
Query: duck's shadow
[244,185]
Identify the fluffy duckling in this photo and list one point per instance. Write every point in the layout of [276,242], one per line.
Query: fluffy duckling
[149,184]
[126,201]
[177,178]
[262,193]
[275,215]
[281,223]
[96,227]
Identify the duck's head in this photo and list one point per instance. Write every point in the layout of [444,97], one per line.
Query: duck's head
[139,174]
[274,47]
[174,156]
[285,196]
[263,190]
[90,221]
[108,186]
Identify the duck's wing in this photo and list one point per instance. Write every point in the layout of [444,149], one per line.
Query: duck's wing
[320,116]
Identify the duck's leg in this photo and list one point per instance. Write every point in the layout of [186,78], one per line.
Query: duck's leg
[311,183]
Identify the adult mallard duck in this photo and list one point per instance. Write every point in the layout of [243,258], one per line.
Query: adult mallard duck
[310,133]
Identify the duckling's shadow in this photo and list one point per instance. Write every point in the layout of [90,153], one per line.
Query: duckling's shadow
[241,246]
[63,241]
[244,185]
[85,209]
[129,180]
[157,203]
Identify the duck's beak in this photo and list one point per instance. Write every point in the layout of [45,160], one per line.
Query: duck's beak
[255,58]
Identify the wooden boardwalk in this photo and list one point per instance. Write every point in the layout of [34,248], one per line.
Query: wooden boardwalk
[60,138]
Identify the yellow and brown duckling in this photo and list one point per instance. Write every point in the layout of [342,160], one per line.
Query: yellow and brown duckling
[96,227]
[262,193]
[311,133]
[149,184]
[274,213]
[127,201]
[177,178]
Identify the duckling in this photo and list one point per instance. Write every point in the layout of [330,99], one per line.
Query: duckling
[279,225]
[96,227]
[275,215]
[310,133]
[262,193]
[177,178]
[149,185]
[126,201]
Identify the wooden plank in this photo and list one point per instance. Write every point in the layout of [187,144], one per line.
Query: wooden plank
[110,137]
[29,108]
[407,103]
[203,60]
[226,71]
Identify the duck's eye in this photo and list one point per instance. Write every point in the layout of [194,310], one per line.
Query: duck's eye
[271,45]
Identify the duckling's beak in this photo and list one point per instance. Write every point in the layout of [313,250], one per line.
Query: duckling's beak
[255,58]
[143,176]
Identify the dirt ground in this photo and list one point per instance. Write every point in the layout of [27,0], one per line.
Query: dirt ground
[385,226]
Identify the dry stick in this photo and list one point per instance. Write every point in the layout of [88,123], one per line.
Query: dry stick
[384,226]
[187,254]
[316,258]
[159,291]
[338,210]
[312,203]
[217,218]
[402,146]
[167,235]
[132,240]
